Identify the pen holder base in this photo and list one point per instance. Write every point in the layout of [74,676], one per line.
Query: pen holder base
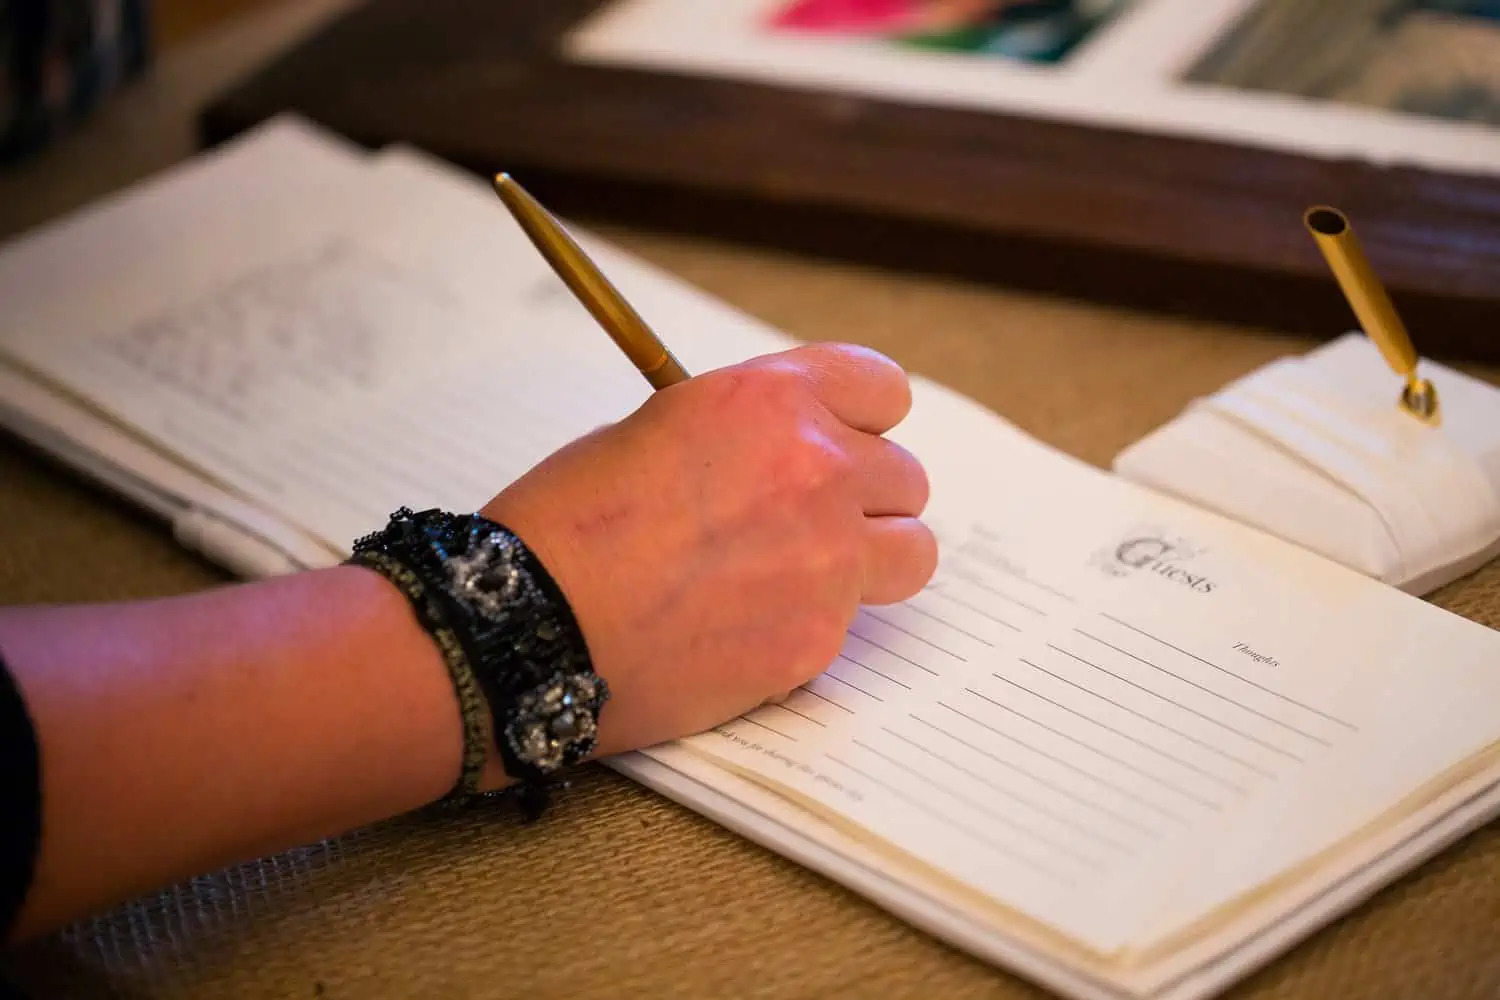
[1316,450]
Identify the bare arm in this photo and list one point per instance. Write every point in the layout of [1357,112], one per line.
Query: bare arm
[180,735]
[713,548]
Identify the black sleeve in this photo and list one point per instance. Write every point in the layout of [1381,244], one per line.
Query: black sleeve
[20,801]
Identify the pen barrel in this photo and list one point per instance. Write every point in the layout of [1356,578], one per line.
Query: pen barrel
[591,288]
[668,371]
[621,322]
[1366,295]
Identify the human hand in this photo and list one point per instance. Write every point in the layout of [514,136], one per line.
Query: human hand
[716,544]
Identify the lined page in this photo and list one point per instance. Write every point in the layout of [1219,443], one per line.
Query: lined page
[340,385]
[1099,691]
[408,347]
[1041,749]
[138,248]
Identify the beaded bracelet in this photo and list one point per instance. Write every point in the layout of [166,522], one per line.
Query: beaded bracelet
[514,652]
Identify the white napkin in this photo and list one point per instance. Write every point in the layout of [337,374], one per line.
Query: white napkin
[1313,450]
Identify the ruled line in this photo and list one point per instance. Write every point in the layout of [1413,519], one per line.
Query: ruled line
[800,715]
[849,684]
[1138,799]
[1192,711]
[990,588]
[1043,586]
[1014,572]
[823,697]
[877,673]
[962,828]
[1222,697]
[1211,776]
[974,608]
[1014,796]
[753,722]
[885,649]
[945,622]
[1225,670]
[1146,831]
[920,638]
[1149,776]
[900,656]
[1156,722]
[1041,838]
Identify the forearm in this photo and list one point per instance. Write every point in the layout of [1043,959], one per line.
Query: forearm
[254,717]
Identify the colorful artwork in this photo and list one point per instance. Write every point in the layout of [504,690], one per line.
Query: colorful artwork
[1437,58]
[1044,31]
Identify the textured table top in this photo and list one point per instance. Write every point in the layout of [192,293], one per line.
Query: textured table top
[620,893]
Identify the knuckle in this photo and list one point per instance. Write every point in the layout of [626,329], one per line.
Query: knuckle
[836,352]
[860,377]
[843,556]
[769,392]
[829,557]
[839,561]
[873,365]
[808,464]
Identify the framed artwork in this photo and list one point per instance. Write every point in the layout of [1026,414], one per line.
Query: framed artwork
[1385,81]
[1155,154]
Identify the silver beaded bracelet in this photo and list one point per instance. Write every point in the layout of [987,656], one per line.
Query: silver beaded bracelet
[515,653]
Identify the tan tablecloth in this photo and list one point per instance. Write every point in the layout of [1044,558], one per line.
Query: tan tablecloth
[619,893]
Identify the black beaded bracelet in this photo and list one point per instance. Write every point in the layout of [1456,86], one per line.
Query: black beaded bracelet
[508,636]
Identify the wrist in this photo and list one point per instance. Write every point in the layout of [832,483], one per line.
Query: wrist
[527,693]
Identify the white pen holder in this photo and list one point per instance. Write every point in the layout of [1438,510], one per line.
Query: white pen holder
[1314,450]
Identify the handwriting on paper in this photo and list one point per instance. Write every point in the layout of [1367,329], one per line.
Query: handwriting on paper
[336,319]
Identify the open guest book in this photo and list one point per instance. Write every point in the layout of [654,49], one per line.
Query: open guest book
[1122,745]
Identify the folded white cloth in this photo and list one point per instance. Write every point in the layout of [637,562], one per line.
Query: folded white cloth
[1314,450]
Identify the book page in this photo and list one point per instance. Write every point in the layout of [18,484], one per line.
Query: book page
[1113,714]
[407,346]
[149,245]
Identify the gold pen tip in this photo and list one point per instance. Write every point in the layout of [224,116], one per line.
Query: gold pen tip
[1326,221]
[512,194]
[1419,398]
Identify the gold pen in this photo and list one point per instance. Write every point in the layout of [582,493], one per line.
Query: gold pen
[1372,306]
[624,326]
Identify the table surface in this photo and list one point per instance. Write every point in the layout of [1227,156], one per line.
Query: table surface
[620,892]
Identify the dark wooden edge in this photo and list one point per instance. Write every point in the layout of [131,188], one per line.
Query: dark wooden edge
[1152,222]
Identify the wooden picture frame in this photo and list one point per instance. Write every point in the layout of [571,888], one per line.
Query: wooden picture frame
[1155,219]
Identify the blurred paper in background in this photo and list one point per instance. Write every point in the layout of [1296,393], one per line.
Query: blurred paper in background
[1437,58]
